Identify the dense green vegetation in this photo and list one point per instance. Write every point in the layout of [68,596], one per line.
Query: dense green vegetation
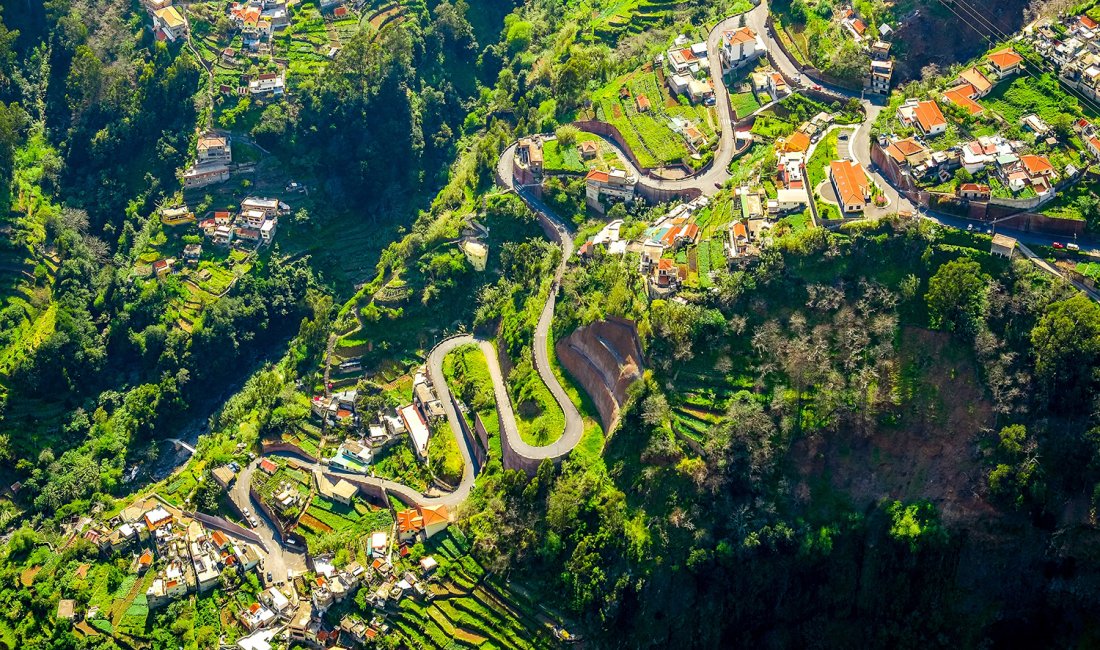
[824,356]
[882,435]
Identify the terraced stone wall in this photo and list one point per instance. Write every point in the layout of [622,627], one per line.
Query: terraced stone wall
[606,358]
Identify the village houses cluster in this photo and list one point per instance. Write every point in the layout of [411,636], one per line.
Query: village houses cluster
[296,611]
[255,20]
[382,429]
[1071,45]
[1012,162]
[188,554]
[255,223]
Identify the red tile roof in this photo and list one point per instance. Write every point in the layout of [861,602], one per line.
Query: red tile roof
[691,231]
[974,187]
[961,96]
[929,115]
[851,183]
[974,77]
[1087,22]
[268,466]
[743,35]
[597,176]
[798,141]
[858,25]
[1036,165]
[1005,58]
[902,149]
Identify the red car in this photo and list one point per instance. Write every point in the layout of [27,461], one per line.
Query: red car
[1058,245]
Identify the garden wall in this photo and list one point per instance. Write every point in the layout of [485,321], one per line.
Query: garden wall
[512,459]
[481,449]
[217,523]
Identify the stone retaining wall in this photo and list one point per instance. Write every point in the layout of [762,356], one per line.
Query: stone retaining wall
[605,357]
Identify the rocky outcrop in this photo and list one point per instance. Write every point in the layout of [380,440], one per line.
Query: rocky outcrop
[605,358]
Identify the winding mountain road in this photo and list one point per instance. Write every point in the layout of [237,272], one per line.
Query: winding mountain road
[707,182]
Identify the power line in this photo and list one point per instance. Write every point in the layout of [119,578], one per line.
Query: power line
[974,14]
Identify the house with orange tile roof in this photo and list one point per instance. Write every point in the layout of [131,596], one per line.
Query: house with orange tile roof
[1037,166]
[981,84]
[853,190]
[666,275]
[422,522]
[907,152]
[797,141]
[973,192]
[219,539]
[929,118]
[1005,62]
[739,45]
[615,184]
[145,561]
[963,97]
[1093,145]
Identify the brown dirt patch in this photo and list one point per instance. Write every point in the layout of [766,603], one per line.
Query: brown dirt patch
[469,637]
[929,454]
[616,110]
[27,577]
[314,523]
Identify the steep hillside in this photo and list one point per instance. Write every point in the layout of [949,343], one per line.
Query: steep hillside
[933,33]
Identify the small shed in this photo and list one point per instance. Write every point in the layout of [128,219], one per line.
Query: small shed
[1003,245]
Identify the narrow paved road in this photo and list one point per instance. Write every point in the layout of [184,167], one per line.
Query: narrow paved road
[708,182]
[279,561]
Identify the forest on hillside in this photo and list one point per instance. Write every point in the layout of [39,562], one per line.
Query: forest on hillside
[881,434]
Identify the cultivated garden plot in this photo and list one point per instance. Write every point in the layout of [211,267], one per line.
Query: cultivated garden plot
[655,135]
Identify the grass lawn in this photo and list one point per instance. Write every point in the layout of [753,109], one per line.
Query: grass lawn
[743,103]
[1064,204]
[398,463]
[824,153]
[444,457]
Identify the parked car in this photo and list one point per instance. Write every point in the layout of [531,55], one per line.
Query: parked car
[843,136]
[816,87]
[970,227]
[1058,245]
[1073,247]
[269,578]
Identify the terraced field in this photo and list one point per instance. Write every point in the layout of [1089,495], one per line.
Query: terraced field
[470,610]
[652,135]
[631,17]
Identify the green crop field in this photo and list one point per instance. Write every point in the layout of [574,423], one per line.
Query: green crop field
[468,610]
[651,135]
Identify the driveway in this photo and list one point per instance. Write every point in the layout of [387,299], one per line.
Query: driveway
[282,563]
